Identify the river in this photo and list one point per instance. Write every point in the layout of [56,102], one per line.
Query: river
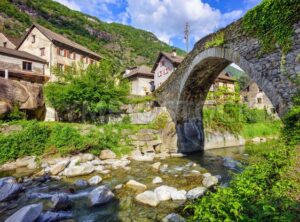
[124,208]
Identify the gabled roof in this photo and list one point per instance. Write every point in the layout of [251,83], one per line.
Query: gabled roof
[13,40]
[175,60]
[21,55]
[226,76]
[54,37]
[139,71]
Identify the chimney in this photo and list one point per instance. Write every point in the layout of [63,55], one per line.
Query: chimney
[174,53]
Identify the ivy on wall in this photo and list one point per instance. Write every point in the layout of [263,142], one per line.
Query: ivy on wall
[272,23]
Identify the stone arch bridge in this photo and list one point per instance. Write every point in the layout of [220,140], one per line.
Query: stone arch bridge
[185,91]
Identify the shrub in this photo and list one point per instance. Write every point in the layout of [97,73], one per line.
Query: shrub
[160,121]
[15,114]
[217,40]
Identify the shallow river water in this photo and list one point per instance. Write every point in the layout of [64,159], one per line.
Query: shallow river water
[124,207]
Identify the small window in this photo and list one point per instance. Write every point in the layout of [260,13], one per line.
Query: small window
[260,90]
[4,44]
[60,52]
[33,38]
[60,67]
[259,100]
[245,98]
[42,51]
[27,66]
[82,58]
[87,60]
[91,61]
[74,56]
[163,63]
[248,89]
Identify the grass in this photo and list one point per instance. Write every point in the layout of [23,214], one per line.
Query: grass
[265,129]
[217,40]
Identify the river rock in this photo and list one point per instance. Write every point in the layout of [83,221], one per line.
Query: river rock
[119,186]
[136,185]
[54,216]
[80,183]
[156,165]
[177,155]
[173,218]
[157,180]
[61,201]
[9,190]
[96,162]
[144,158]
[26,214]
[148,197]
[8,166]
[95,180]
[59,167]
[196,192]
[107,154]
[26,161]
[80,170]
[210,181]
[164,192]
[178,195]
[87,157]
[100,195]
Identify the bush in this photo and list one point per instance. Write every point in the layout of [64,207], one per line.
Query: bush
[30,141]
[87,94]
[260,193]
[160,121]
[15,114]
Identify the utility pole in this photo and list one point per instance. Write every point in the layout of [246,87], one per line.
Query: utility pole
[187,35]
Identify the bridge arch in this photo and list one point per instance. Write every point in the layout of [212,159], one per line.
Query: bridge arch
[185,91]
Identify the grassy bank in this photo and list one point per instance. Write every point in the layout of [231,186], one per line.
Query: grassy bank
[53,138]
[264,129]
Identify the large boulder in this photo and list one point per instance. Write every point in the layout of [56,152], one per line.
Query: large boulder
[79,170]
[26,214]
[136,185]
[61,201]
[100,195]
[148,197]
[9,190]
[107,154]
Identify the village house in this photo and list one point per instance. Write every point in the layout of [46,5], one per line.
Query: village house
[8,42]
[255,98]
[20,65]
[141,80]
[57,50]
[165,65]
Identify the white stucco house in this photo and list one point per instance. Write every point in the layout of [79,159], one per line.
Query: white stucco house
[165,65]
[141,79]
[56,49]
[22,66]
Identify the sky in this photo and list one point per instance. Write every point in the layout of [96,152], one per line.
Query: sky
[167,18]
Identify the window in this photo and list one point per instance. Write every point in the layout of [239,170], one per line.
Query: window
[66,52]
[27,66]
[60,67]
[248,89]
[259,100]
[260,90]
[42,51]
[33,38]
[82,58]
[4,44]
[60,52]
[163,63]
[245,98]
[74,56]
[87,60]
[91,61]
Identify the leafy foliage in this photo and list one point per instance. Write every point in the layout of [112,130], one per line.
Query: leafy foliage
[272,23]
[260,193]
[88,93]
[15,114]
[124,45]
[217,40]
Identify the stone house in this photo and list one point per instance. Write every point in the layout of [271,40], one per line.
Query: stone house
[8,42]
[164,66]
[22,66]
[56,49]
[255,98]
[141,80]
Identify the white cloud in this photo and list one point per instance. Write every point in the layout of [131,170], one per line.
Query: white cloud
[167,18]
[70,4]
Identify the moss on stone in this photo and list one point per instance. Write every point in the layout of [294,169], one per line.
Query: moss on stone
[217,40]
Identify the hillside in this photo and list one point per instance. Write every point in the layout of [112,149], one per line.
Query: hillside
[125,45]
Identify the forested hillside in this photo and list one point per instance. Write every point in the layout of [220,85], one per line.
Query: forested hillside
[125,45]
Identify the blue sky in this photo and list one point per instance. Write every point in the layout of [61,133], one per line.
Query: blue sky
[167,18]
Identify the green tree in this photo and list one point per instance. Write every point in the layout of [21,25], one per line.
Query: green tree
[87,94]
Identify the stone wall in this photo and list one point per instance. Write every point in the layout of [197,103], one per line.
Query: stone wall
[184,93]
